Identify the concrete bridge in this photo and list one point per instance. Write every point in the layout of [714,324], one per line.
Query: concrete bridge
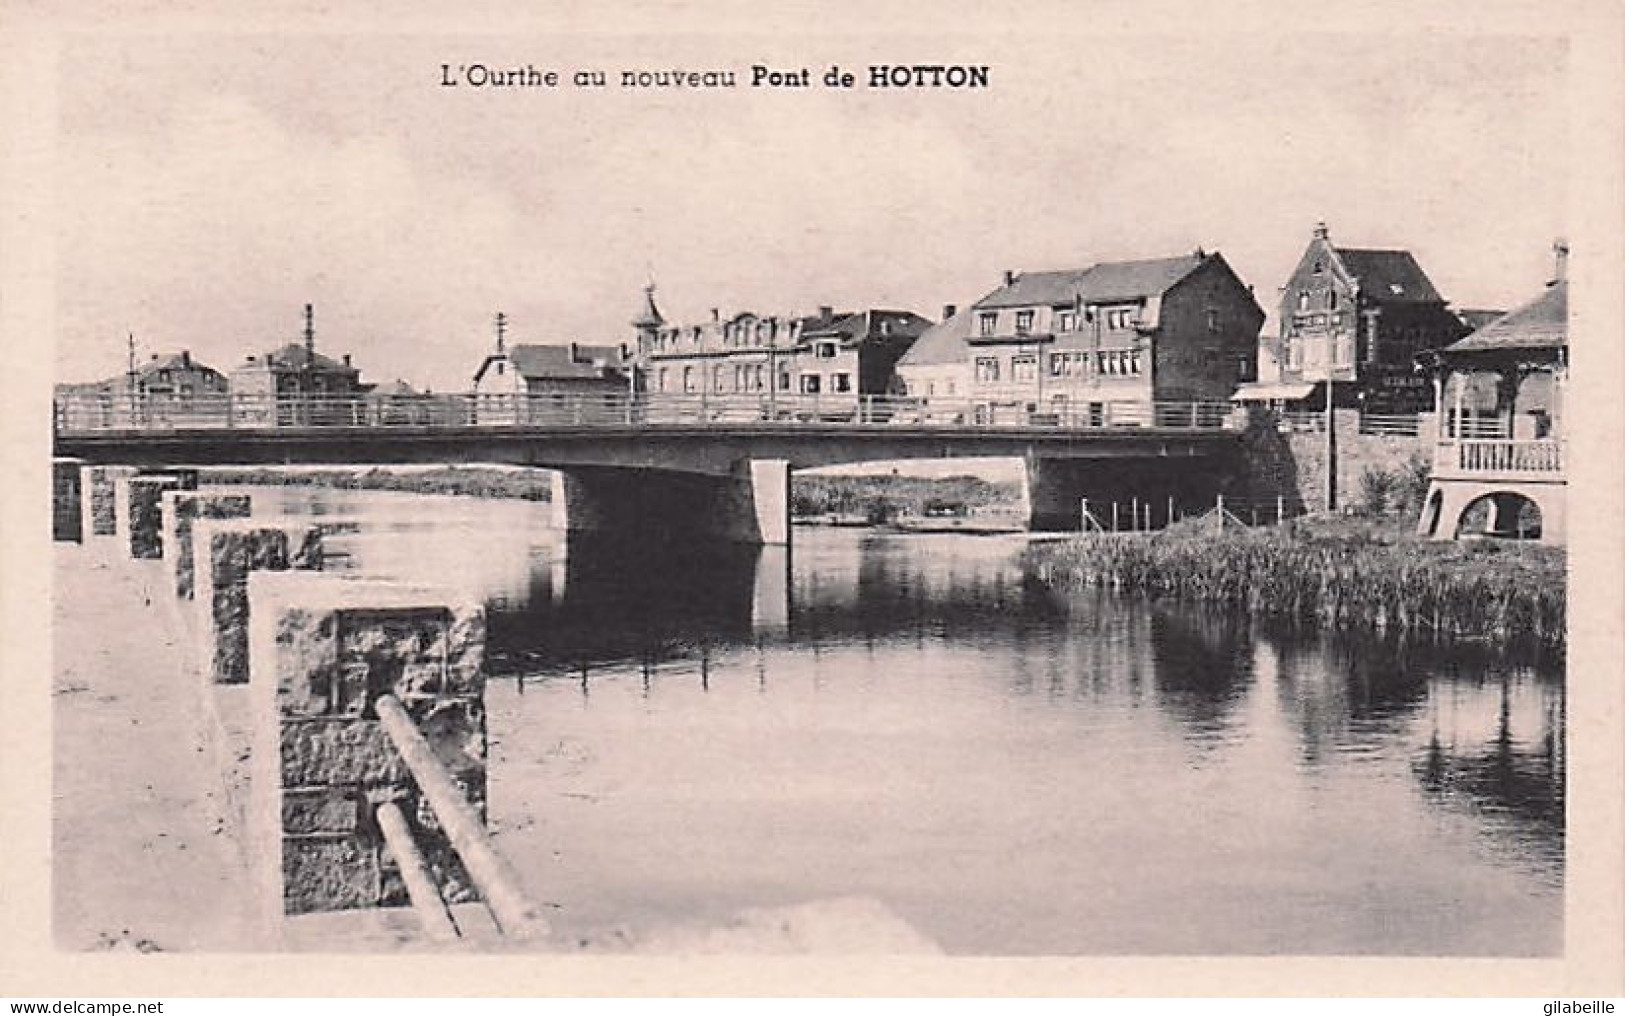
[676,465]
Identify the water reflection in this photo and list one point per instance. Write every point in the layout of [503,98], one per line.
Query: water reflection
[904,716]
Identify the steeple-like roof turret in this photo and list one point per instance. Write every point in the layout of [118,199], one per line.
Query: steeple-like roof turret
[649,316]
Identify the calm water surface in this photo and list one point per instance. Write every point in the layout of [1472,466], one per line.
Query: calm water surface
[679,733]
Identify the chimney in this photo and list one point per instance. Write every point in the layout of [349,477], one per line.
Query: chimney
[310,334]
[186,358]
[948,311]
[346,359]
[716,314]
[1321,232]
[825,312]
[1009,277]
[155,358]
[1560,261]
[575,355]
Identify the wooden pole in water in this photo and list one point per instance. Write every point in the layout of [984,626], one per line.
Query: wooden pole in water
[498,883]
[1219,510]
[1083,515]
[1114,516]
[1134,514]
[1280,509]
[1170,511]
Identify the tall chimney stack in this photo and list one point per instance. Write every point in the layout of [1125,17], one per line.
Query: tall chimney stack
[1560,261]
[310,334]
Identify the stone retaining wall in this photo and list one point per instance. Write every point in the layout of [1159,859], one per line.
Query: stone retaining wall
[225,552]
[327,649]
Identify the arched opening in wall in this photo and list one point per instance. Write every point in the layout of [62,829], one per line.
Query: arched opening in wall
[1504,515]
[1430,514]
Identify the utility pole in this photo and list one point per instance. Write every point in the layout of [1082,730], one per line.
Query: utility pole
[129,375]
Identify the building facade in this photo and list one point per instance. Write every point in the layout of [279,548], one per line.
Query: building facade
[164,388]
[296,384]
[1360,318]
[1074,343]
[1499,467]
[832,358]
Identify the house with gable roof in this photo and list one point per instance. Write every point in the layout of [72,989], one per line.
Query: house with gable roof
[1072,344]
[1358,317]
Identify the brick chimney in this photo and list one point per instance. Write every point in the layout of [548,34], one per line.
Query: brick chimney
[1321,232]
[1009,277]
[1560,261]
[186,358]
[825,312]
[948,311]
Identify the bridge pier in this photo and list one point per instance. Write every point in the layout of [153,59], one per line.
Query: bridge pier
[1056,487]
[225,551]
[67,501]
[751,506]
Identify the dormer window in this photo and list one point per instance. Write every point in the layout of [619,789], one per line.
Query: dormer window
[1066,321]
[986,323]
[1024,322]
[1303,299]
[1120,317]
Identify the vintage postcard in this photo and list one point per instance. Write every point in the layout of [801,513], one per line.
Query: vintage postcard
[877,499]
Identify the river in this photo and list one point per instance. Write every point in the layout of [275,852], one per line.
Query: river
[678,733]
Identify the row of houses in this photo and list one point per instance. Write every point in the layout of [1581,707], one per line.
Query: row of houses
[1038,345]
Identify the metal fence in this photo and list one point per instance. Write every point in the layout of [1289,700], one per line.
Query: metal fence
[80,413]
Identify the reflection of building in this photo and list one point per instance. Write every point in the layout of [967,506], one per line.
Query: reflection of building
[1360,316]
[1170,329]
[833,356]
[296,384]
[1501,440]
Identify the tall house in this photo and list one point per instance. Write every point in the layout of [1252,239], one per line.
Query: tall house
[831,355]
[1167,329]
[1360,318]
[296,383]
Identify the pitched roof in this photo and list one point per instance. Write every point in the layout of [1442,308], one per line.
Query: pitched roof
[1389,276]
[174,361]
[941,343]
[1100,283]
[572,360]
[293,357]
[394,389]
[1542,323]
[1475,318]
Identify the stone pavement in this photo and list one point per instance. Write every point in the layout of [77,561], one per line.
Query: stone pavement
[142,851]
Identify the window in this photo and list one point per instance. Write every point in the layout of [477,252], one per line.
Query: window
[1244,368]
[1118,362]
[1320,268]
[1024,367]
[716,378]
[1331,299]
[1066,321]
[660,382]
[1396,289]
[986,323]
[784,380]
[810,384]
[1212,319]
[1120,317]
[688,379]
[987,368]
[761,375]
[1058,365]
[841,382]
[1294,354]
[1303,299]
[739,377]
[1024,322]
[827,350]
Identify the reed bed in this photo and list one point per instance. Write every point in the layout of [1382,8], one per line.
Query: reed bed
[1341,574]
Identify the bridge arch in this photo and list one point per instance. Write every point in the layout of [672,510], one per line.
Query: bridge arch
[1510,514]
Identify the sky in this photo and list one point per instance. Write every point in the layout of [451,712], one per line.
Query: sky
[209,185]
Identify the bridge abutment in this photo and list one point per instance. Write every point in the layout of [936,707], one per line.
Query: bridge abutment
[1057,489]
[67,501]
[751,506]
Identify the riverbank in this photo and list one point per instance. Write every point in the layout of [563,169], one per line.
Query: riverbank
[1338,572]
[469,481]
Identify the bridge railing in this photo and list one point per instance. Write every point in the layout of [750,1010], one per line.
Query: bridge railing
[85,413]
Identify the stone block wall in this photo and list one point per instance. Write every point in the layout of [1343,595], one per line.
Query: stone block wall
[146,514]
[1293,465]
[323,762]
[101,497]
[225,552]
[67,520]
[183,508]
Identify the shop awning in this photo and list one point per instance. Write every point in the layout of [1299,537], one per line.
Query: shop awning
[1260,392]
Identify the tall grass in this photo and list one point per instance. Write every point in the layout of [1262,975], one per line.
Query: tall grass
[1339,573]
[470,481]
